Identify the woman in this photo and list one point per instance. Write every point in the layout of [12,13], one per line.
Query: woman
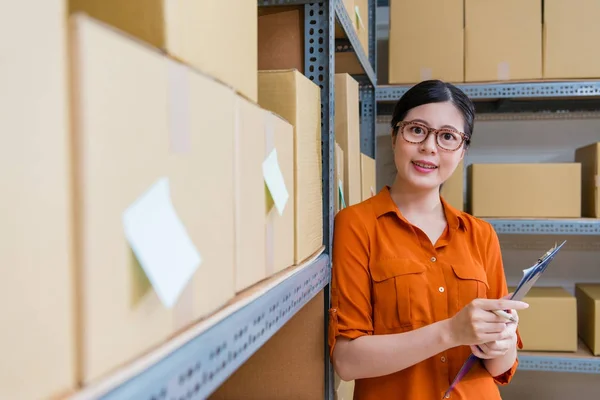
[415,281]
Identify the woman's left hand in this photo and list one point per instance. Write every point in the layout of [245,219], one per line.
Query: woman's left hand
[498,348]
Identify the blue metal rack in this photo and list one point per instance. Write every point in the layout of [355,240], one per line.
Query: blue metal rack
[491,91]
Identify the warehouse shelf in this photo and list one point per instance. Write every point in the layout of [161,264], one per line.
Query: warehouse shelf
[512,90]
[581,361]
[198,361]
[583,226]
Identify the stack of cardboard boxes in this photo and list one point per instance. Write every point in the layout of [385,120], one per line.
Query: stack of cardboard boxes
[151,174]
[487,40]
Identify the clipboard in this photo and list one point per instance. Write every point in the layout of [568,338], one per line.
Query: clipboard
[530,277]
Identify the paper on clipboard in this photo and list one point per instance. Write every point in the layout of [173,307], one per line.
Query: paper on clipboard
[530,277]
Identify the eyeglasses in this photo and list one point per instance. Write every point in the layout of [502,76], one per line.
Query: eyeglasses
[446,138]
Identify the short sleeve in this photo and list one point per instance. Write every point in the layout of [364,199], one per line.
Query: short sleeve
[350,315]
[497,289]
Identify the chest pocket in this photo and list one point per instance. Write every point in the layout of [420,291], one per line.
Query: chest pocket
[401,294]
[471,283]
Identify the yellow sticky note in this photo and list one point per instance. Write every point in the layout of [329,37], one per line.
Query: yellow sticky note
[275,182]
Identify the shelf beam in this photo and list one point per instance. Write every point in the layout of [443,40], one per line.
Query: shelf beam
[546,226]
[199,360]
[489,91]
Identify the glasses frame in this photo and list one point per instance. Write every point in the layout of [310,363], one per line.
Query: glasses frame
[400,127]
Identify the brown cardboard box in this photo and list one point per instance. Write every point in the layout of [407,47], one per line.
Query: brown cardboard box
[298,100]
[367,176]
[503,40]
[36,257]
[361,17]
[588,315]
[426,40]
[546,306]
[250,195]
[121,115]
[589,157]
[347,133]
[281,38]
[196,32]
[340,199]
[280,228]
[570,51]
[525,190]
[453,189]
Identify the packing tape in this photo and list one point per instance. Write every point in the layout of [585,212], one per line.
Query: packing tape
[271,212]
[503,71]
[426,74]
[178,107]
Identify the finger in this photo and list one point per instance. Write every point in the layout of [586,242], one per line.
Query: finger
[488,316]
[489,354]
[477,352]
[491,327]
[500,304]
[508,296]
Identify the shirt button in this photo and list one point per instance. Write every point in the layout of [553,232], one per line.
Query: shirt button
[441,289]
[433,259]
[443,359]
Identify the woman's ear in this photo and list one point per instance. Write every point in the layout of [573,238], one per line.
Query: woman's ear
[393,139]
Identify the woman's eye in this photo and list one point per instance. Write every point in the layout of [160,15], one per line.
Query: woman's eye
[418,131]
[449,136]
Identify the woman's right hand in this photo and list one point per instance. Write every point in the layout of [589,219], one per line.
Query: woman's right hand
[476,323]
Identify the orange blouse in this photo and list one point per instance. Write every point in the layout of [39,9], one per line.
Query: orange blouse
[389,278]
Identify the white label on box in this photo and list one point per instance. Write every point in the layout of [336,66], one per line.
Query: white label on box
[160,242]
[275,182]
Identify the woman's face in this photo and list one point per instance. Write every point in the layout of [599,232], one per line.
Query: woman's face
[425,165]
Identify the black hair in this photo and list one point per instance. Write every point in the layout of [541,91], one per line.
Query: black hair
[435,91]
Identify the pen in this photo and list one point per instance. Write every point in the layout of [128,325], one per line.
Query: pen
[504,314]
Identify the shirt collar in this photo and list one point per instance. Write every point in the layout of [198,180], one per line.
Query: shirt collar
[383,204]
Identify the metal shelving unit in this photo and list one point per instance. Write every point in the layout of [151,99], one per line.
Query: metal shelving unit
[546,226]
[320,18]
[194,364]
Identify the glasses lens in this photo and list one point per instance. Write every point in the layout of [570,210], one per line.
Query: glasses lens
[449,140]
[413,132]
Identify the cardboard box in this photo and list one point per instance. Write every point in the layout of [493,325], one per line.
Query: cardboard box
[280,228]
[426,41]
[361,16]
[367,176]
[525,190]
[36,289]
[196,32]
[297,99]
[569,52]
[546,306]
[281,38]
[588,315]
[150,123]
[250,195]
[347,133]
[454,187]
[589,157]
[503,40]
